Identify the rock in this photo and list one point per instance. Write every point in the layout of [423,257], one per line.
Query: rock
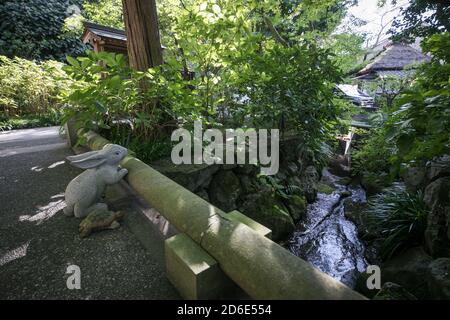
[438,192]
[292,168]
[310,179]
[361,286]
[409,270]
[439,168]
[265,209]
[224,190]
[372,252]
[202,193]
[345,181]
[324,188]
[437,233]
[414,178]
[229,166]
[191,176]
[374,183]
[355,212]
[345,193]
[438,278]
[297,207]
[247,169]
[247,184]
[338,166]
[393,291]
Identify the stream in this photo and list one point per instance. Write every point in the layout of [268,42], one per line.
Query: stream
[326,239]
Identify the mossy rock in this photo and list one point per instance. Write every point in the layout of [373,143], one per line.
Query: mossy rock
[264,208]
[393,291]
[324,188]
[297,207]
[374,183]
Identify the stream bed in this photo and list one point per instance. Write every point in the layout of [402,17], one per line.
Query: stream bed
[328,240]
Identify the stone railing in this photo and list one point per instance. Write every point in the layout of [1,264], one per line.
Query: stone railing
[215,246]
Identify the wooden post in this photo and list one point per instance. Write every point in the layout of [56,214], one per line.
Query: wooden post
[143,41]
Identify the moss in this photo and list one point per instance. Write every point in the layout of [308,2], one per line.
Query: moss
[324,188]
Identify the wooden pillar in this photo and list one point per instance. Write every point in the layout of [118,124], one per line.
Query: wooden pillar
[143,41]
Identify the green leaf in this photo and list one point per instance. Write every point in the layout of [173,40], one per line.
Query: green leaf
[73,62]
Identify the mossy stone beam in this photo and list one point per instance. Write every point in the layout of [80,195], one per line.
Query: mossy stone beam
[262,268]
[195,274]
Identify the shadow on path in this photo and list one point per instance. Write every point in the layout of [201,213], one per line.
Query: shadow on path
[37,242]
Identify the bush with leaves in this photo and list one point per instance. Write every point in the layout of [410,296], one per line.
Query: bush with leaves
[107,95]
[32,29]
[398,218]
[29,88]
[105,12]
[420,127]
[244,77]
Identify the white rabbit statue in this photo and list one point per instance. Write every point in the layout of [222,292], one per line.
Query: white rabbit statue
[83,194]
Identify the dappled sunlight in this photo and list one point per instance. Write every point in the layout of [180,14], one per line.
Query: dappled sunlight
[14,254]
[58,163]
[45,212]
[37,169]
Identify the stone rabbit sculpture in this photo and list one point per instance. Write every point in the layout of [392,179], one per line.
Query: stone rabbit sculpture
[83,194]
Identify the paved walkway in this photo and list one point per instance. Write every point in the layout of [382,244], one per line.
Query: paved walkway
[37,242]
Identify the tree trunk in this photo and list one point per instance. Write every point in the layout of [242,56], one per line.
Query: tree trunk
[141,26]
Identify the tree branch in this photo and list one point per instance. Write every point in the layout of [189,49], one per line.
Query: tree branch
[275,33]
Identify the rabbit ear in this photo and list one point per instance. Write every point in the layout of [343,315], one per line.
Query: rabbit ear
[88,160]
[81,156]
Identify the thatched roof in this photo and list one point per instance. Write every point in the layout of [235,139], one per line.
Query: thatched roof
[396,56]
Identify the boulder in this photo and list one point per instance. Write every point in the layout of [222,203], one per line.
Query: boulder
[191,176]
[224,190]
[361,286]
[356,213]
[437,234]
[339,166]
[248,184]
[297,207]
[310,180]
[439,168]
[324,188]
[409,270]
[292,168]
[247,169]
[414,178]
[264,208]
[202,193]
[438,192]
[374,183]
[393,291]
[438,278]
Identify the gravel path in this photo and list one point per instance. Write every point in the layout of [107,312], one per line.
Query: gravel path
[38,243]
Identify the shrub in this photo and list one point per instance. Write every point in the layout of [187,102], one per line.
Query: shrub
[32,29]
[29,88]
[398,218]
[372,152]
[420,126]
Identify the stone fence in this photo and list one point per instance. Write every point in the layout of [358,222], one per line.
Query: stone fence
[223,244]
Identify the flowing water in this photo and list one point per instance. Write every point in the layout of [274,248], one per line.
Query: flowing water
[327,239]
